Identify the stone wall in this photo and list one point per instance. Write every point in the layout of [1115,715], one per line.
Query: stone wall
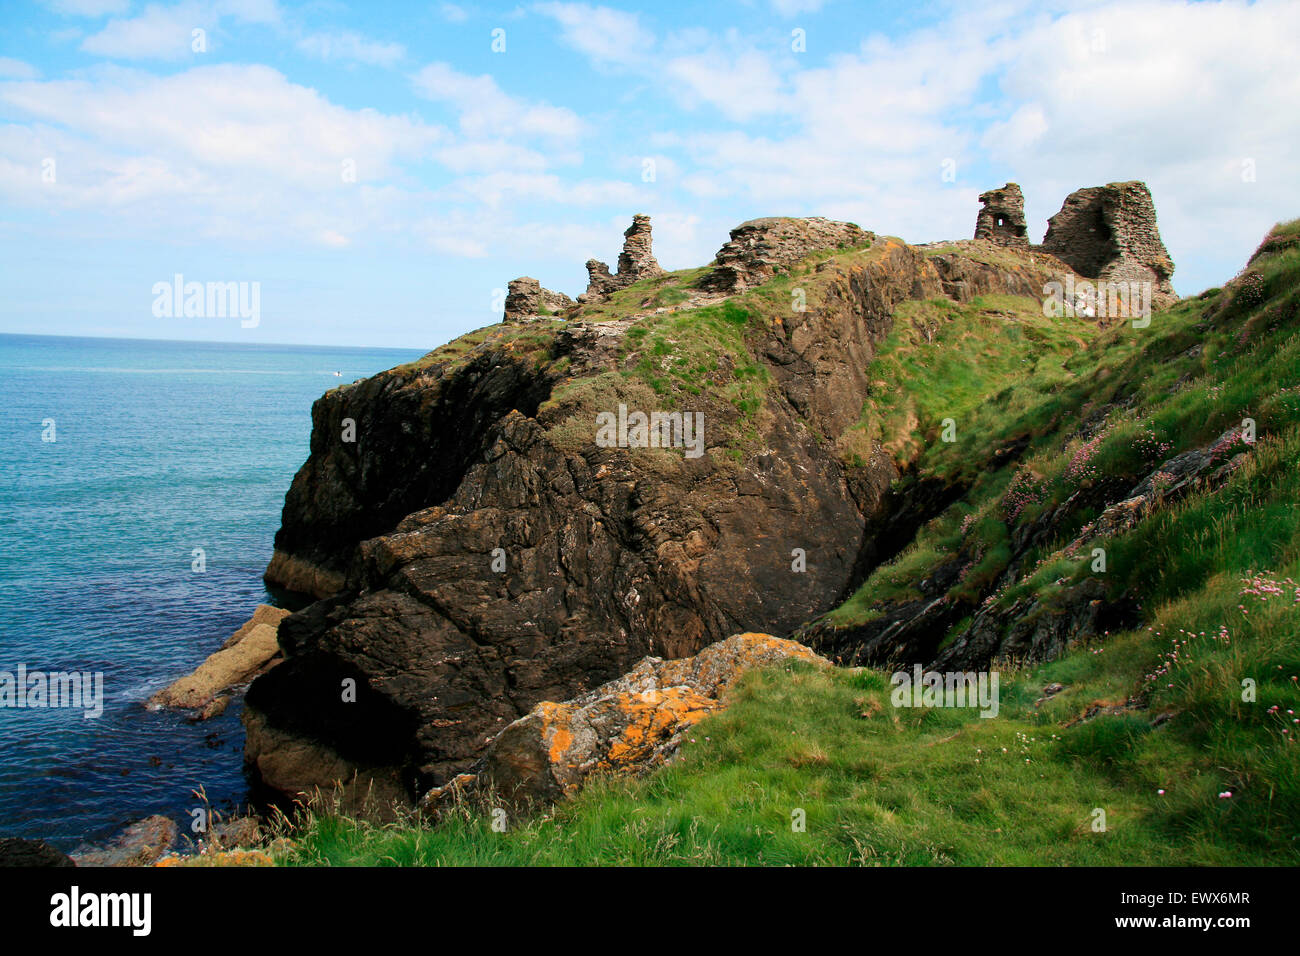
[1109,233]
[759,248]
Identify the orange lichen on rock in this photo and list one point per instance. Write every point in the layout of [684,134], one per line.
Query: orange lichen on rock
[628,725]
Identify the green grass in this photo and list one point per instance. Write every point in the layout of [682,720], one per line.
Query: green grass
[881,785]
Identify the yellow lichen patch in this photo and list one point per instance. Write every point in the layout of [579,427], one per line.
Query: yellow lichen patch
[654,717]
[555,728]
[220,858]
[769,643]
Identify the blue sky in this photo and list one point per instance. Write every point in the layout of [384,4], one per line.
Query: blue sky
[127,156]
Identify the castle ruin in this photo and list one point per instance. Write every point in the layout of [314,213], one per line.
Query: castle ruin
[635,262]
[1002,220]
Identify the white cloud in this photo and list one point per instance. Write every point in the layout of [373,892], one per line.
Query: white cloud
[605,35]
[740,88]
[17,69]
[503,188]
[166,33]
[491,154]
[452,13]
[349,46]
[160,33]
[1135,90]
[486,111]
[231,151]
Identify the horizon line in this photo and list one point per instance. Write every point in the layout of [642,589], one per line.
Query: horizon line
[134,338]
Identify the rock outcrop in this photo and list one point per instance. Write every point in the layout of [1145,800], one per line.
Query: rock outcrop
[492,555]
[1002,218]
[1109,233]
[17,852]
[629,725]
[526,299]
[758,249]
[250,651]
[635,262]
[141,844]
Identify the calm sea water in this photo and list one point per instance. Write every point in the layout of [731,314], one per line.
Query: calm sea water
[160,448]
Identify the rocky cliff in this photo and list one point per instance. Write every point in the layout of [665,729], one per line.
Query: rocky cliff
[479,544]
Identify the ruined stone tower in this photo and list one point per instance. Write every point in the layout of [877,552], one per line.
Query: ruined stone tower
[1109,233]
[1002,220]
[635,262]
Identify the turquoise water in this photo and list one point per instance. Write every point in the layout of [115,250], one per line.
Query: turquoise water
[160,448]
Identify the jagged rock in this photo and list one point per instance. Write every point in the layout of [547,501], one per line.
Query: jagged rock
[610,555]
[635,262]
[140,844]
[631,724]
[15,851]
[245,654]
[1109,233]
[760,247]
[1002,218]
[526,299]
[599,281]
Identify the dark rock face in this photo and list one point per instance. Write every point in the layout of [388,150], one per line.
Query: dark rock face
[1002,218]
[635,262]
[15,851]
[527,299]
[484,566]
[1109,233]
[414,440]
[760,247]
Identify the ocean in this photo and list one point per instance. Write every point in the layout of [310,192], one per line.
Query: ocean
[159,450]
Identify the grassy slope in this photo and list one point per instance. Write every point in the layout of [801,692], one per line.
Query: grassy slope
[881,785]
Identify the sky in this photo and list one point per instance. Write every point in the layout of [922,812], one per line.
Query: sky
[380,171]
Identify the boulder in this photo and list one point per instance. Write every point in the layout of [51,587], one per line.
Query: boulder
[141,844]
[245,654]
[527,299]
[629,725]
